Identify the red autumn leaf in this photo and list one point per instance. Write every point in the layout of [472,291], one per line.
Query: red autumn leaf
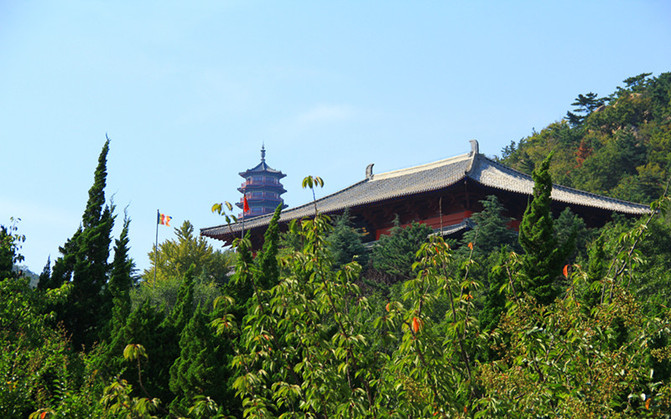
[387,306]
[565,271]
[416,324]
[43,415]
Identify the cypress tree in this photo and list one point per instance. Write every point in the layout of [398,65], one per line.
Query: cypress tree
[495,300]
[143,326]
[121,280]
[84,264]
[267,261]
[201,369]
[544,256]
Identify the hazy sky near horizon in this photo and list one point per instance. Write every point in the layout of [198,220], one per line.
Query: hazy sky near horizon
[189,91]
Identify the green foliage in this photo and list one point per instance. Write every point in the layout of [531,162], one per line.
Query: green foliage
[301,350]
[492,229]
[544,256]
[121,281]
[394,254]
[586,104]
[621,149]
[268,267]
[175,257]
[10,243]
[345,243]
[84,264]
[202,368]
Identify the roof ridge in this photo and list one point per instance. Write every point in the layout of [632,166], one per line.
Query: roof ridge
[421,167]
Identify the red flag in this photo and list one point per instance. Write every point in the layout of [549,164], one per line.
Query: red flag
[245,204]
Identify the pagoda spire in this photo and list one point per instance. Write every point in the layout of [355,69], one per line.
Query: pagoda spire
[263,152]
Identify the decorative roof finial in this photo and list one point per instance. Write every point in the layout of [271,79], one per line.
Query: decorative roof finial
[475,149]
[263,152]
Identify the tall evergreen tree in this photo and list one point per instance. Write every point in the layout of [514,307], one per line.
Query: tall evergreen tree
[143,326]
[200,370]
[84,263]
[269,269]
[544,255]
[121,280]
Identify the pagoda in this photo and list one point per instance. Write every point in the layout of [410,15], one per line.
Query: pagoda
[262,188]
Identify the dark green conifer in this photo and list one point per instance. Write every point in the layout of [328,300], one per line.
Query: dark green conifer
[345,243]
[495,299]
[84,264]
[143,326]
[121,280]
[596,270]
[544,255]
[267,261]
[394,254]
[202,367]
[492,229]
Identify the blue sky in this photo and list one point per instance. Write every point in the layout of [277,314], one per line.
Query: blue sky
[188,92]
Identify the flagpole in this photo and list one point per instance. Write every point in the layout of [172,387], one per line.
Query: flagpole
[158,217]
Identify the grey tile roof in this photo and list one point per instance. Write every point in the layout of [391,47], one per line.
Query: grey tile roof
[431,177]
[496,175]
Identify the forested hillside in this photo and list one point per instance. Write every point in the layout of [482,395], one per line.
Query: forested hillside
[618,145]
[555,320]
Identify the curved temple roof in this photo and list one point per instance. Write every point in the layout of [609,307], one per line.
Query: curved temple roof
[430,177]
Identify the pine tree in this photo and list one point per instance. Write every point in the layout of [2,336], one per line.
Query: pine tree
[544,255]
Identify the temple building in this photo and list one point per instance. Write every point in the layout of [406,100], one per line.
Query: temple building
[443,195]
[262,188]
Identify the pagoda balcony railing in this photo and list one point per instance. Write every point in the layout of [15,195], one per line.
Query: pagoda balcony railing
[262,195]
[268,181]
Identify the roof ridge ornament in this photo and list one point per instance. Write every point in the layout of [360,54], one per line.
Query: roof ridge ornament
[369,171]
[475,148]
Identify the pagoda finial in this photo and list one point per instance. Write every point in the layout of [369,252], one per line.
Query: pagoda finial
[263,152]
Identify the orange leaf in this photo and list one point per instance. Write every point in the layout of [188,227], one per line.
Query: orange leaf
[43,415]
[470,245]
[416,324]
[647,403]
[565,271]
[387,306]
